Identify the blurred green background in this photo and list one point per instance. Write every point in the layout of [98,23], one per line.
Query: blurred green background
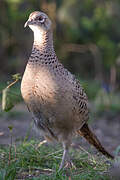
[87,42]
[86,39]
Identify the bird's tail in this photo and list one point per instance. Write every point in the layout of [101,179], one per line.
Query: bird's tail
[92,139]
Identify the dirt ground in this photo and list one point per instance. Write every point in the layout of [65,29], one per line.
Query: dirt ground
[107,129]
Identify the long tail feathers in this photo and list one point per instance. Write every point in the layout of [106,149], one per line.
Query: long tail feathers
[92,139]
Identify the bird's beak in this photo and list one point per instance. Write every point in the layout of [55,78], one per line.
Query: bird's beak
[27,23]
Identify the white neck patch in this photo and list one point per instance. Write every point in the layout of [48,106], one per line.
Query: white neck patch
[38,33]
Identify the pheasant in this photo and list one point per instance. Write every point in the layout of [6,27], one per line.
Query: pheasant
[53,95]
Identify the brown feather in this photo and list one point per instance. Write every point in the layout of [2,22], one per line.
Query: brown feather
[92,139]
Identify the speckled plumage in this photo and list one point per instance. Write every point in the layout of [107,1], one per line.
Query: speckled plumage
[54,96]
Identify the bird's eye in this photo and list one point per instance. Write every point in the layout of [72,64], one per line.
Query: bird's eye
[41,19]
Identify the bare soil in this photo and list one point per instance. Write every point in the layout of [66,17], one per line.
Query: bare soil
[107,129]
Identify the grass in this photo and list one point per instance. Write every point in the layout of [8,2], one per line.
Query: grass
[30,160]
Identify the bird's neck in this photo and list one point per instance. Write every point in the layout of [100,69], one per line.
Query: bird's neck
[43,40]
[43,51]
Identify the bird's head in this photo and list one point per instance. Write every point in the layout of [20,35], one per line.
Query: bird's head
[38,21]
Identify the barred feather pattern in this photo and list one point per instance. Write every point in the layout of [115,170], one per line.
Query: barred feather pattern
[54,96]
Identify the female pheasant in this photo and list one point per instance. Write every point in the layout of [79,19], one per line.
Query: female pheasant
[55,97]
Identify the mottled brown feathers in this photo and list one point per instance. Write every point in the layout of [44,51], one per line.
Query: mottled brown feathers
[92,139]
[54,96]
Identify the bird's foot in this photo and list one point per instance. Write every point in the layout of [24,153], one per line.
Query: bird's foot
[70,165]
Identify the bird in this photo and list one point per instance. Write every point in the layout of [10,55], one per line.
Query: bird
[54,96]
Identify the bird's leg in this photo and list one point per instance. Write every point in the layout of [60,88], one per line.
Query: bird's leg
[65,155]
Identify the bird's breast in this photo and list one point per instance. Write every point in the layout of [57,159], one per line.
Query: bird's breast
[39,86]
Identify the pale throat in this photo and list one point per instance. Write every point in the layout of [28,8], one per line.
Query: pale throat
[41,37]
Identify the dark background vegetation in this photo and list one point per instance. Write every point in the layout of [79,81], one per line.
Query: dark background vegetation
[86,39]
[86,36]
[87,42]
